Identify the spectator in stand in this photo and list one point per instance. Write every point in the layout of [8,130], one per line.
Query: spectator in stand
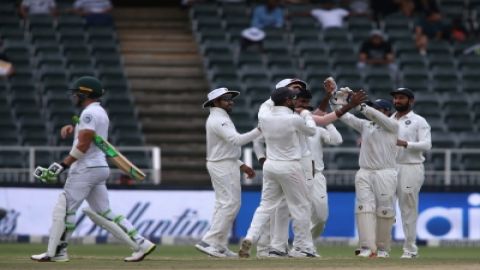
[37,7]
[269,15]
[329,14]
[458,31]
[406,7]
[95,12]
[377,51]
[357,7]
[426,6]
[382,8]
[429,27]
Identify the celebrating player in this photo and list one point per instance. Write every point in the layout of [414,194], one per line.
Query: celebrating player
[86,180]
[224,166]
[413,138]
[376,181]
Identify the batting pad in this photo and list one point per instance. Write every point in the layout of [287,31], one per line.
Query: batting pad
[384,233]
[366,223]
[111,227]
[58,224]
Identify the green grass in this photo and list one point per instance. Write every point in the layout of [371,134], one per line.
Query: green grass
[16,256]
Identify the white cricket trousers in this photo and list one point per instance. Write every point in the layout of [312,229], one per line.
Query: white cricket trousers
[319,200]
[410,181]
[284,179]
[374,198]
[87,184]
[225,175]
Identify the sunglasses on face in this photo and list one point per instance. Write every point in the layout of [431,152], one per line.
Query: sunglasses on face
[226,98]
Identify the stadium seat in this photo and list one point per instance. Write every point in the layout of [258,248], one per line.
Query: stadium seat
[459,123]
[416,79]
[397,21]
[12,159]
[470,162]
[443,140]
[346,161]
[338,35]
[308,35]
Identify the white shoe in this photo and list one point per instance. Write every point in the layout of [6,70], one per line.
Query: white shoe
[298,253]
[210,250]
[45,258]
[277,254]
[245,247]
[262,253]
[230,254]
[146,247]
[382,254]
[366,253]
[409,255]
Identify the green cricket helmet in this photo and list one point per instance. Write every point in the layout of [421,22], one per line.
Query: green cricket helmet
[88,86]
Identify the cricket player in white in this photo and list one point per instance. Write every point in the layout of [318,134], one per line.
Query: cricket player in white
[318,188]
[283,174]
[376,181]
[414,138]
[86,181]
[275,232]
[223,164]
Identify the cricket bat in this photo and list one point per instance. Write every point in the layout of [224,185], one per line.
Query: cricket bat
[115,156]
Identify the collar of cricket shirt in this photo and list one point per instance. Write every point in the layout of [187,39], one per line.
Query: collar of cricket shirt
[218,111]
[282,109]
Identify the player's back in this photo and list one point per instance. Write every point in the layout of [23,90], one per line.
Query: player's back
[281,137]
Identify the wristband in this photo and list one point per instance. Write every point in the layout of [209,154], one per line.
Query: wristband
[64,165]
[77,154]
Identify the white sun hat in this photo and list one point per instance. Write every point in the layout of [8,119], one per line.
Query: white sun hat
[216,93]
[253,34]
[287,82]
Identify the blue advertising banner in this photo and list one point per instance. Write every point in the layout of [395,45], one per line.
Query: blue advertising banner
[442,216]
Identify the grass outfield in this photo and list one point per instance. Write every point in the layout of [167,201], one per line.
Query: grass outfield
[16,256]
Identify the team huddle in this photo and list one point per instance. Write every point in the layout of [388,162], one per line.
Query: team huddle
[288,144]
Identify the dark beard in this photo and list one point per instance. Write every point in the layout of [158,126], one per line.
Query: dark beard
[403,108]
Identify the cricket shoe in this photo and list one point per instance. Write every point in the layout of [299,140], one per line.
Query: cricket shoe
[245,247]
[382,254]
[366,253]
[230,254]
[262,253]
[210,250]
[298,253]
[45,258]
[409,255]
[277,254]
[145,247]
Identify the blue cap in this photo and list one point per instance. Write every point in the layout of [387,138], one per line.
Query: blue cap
[403,91]
[382,104]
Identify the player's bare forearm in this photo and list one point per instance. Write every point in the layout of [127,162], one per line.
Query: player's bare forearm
[324,103]
[247,170]
[85,138]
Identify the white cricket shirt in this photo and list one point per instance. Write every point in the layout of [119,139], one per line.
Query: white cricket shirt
[282,128]
[328,135]
[416,131]
[223,140]
[379,138]
[93,117]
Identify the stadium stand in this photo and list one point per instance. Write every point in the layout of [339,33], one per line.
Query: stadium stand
[445,80]
[48,53]
[152,52]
